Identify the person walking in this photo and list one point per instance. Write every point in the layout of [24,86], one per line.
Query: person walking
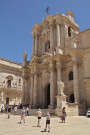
[27,111]
[9,112]
[63,117]
[1,109]
[15,110]
[47,122]
[39,114]
[23,115]
[6,110]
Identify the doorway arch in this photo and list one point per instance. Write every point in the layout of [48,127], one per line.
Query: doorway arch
[47,95]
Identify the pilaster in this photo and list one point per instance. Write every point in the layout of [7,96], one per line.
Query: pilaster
[52,85]
[74,55]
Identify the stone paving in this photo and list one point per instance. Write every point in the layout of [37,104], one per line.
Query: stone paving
[76,125]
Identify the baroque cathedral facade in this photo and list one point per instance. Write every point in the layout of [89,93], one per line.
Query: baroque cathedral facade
[60,53]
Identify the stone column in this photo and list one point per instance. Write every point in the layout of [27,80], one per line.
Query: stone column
[75,81]
[27,92]
[58,33]
[32,88]
[51,35]
[59,73]
[40,47]
[36,44]
[33,49]
[35,90]
[43,46]
[52,96]
[23,89]
[43,98]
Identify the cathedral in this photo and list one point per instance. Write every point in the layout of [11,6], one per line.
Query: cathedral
[60,53]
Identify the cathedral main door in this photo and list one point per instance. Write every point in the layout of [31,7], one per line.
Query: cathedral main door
[47,96]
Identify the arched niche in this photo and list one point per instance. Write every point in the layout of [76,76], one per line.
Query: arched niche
[70,76]
[71,98]
[47,46]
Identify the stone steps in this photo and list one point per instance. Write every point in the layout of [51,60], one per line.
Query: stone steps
[32,112]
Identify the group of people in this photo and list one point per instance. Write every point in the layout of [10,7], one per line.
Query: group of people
[7,110]
[39,116]
[25,112]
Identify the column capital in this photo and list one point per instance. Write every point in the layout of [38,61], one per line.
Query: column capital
[59,65]
[32,74]
[58,22]
[33,36]
[36,72]
[51,23]
[75,59]
[51,69]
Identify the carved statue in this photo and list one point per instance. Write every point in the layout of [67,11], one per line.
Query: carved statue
[25,56]
[60,88]
[25,59]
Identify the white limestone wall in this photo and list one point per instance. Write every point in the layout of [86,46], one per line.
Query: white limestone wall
[87,77]
[15,84]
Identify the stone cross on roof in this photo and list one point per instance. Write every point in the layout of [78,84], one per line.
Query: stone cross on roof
[47,10]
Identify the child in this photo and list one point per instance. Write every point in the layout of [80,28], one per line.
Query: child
[27,111]
[47,122]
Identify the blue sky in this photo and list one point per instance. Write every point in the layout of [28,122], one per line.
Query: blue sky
[17,18]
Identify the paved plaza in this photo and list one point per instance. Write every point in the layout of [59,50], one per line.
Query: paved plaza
[77,125]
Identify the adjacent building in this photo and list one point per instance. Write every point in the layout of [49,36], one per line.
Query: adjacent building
[10,82]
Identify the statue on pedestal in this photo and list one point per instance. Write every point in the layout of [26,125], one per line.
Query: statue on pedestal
[25,59]
[60,88]
[25,56]
[61,98]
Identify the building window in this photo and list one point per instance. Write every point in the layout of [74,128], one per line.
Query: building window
[9,84]
[69,32]
[71,75]
[7,100]
[72,100]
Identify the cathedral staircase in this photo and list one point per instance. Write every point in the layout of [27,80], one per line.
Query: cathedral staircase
[33,112]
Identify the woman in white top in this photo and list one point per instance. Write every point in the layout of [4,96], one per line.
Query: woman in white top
[39,114]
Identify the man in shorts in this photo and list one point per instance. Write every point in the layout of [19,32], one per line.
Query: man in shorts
[9,111]
[39,114]
[47,122]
